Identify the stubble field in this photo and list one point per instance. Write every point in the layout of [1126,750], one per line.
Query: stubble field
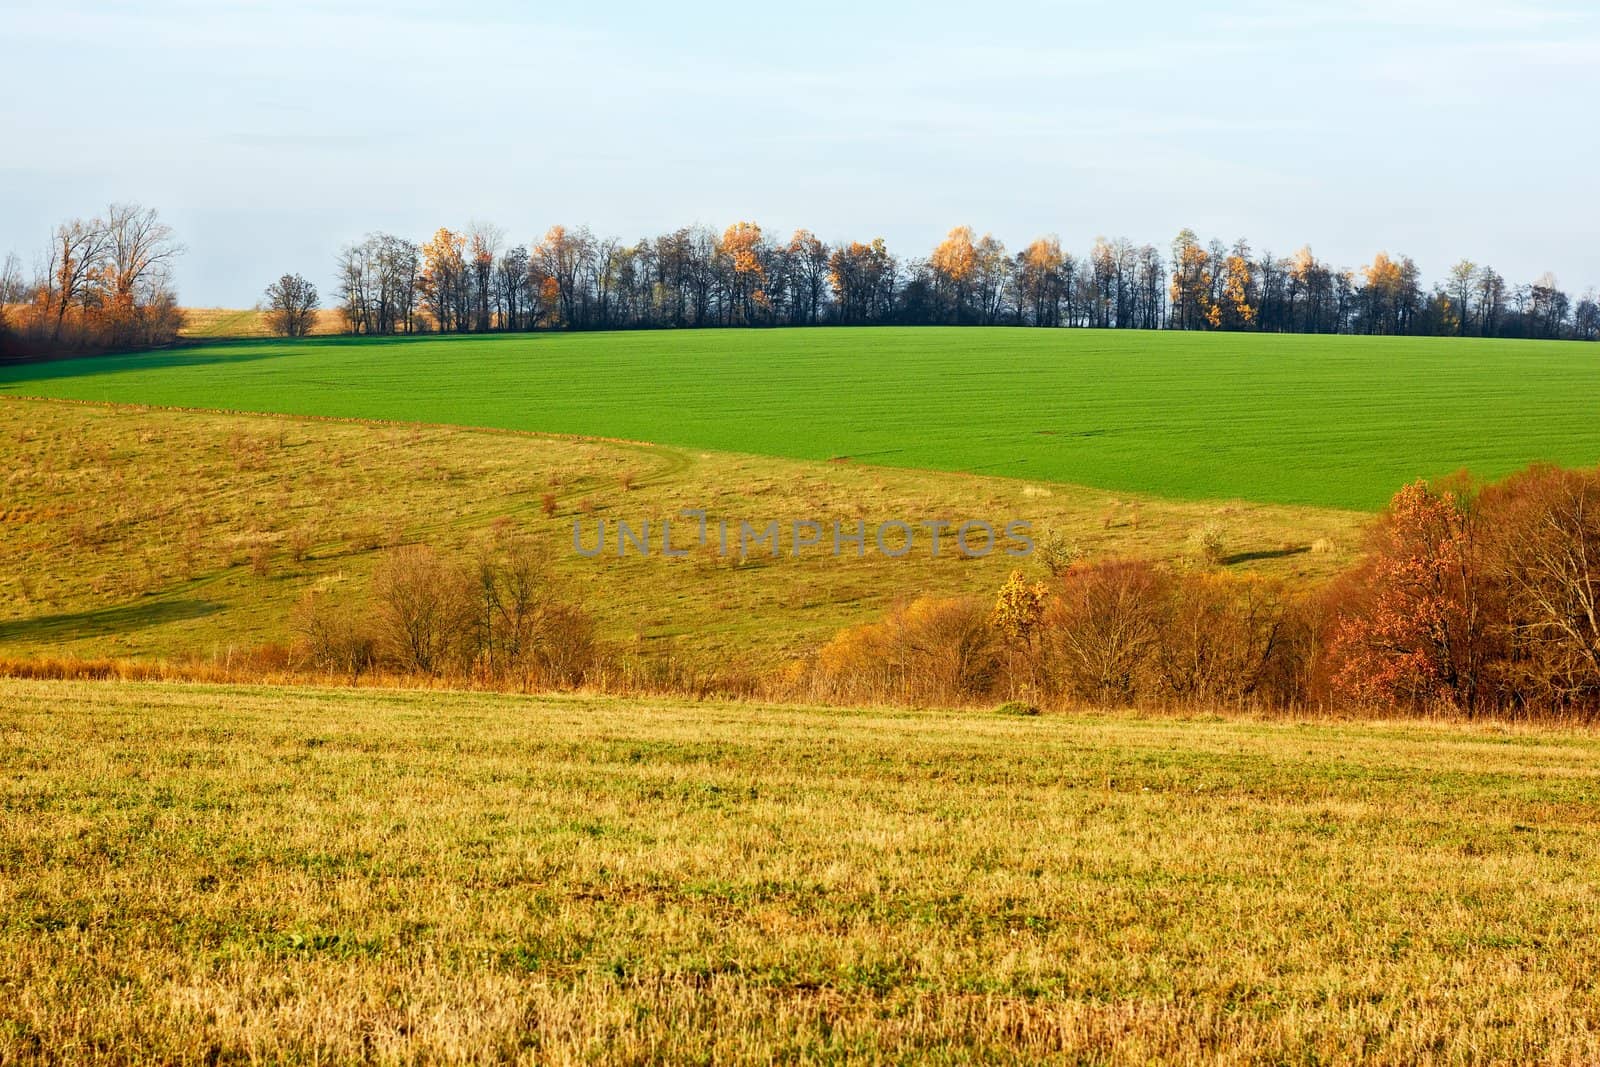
[204,874]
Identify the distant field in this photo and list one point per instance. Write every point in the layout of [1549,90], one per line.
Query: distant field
[149,533]
[1333,421]
[229,323]
[199,874]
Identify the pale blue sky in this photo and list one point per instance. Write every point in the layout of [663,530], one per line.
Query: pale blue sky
[271,133]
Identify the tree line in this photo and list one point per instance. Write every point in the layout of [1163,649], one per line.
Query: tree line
[473,281]
[102,282]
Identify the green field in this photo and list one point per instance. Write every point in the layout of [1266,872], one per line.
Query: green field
[203,874]
[1333,421]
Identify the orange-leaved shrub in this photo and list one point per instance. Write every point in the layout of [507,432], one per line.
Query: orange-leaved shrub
[1478,599]
[931,650]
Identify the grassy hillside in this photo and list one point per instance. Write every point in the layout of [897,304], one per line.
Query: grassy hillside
[1333,421]
[195,873]
[135,532]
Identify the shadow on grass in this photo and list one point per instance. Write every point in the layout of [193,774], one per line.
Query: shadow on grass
[103,622]
[1269,553]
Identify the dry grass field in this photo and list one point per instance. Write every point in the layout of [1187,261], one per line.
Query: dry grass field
[194,874]
[140,532]
[225,323]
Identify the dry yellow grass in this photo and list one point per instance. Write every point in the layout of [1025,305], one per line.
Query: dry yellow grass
[207,874]
[223,323]
[155,533]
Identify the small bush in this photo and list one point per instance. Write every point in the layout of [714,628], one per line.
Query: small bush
[1058,552]
[1209,542]
[1017,707]
[299,544]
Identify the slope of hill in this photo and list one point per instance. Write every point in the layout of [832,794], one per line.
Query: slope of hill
[138,532]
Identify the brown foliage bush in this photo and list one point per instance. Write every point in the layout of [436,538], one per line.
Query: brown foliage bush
[932,650]
[334,635]
[519,626]
[1416,634]
[1543,552]
[1478,599]
[1101,629]
[420,613]
[1224,640]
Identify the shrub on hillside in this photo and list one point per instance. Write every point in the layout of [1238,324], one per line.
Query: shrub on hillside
[521,628]
[1208,542]
[932,650]
[1223,640]
[1419,631]
[334,635]
[1100,630]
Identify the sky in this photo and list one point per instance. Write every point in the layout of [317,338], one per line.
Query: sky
[271,134]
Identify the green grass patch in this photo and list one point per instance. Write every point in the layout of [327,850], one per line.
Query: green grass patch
[1331,421]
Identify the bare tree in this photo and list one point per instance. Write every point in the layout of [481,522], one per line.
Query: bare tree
[292,304]
[139,250]
[10,287]
[77,254]
[484,241]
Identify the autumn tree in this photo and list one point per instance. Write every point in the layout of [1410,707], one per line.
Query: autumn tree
[443,279]
[77,260]
[1543,530]
[139,252]
[11,288]
[954,264]
[102,282]
[562,258]
[991,278]
[742,250]
[483,245]
[1039,281]
[1236,310]
[1390,294]
[1419,633]
[1460,284]
[1191,304]
[862,279]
